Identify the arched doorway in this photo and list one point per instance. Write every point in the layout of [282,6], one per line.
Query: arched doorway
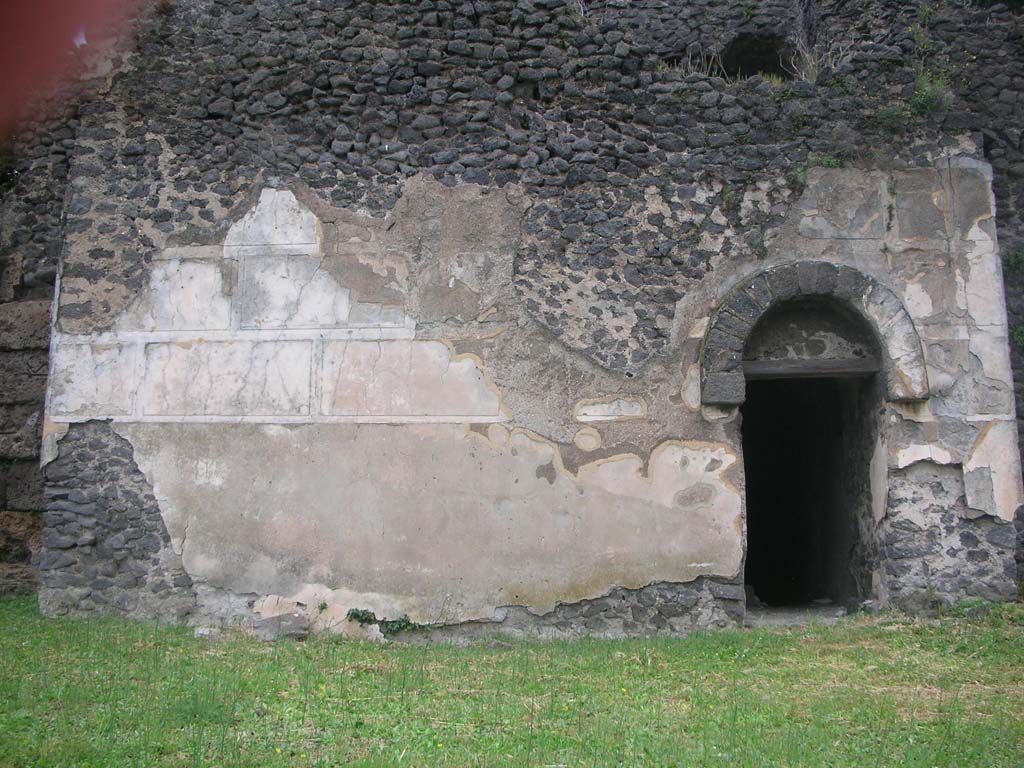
[809,352]
[809,427]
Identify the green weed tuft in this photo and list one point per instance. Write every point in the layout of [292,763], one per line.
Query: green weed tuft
[931,94]
[1013,259]
[388,627]
[892,119]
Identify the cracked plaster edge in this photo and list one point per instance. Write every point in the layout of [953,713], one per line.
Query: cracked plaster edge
[1013,485]
[933,453]
[643,471]
[325,609]
[454,356]
[52,432]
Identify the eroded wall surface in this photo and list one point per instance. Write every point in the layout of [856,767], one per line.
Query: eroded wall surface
[328,410]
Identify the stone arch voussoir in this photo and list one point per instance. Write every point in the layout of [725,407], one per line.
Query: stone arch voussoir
[722,378]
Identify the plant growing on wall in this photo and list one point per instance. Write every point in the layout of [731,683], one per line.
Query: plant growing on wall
[1013,259]
[1017,335]
[388,627]
[892,119]
[812,57]
[931,93]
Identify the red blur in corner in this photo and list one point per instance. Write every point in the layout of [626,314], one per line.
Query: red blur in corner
[42,42]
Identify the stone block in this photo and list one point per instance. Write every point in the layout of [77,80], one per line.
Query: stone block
[817,278]
[724,389]
[759,290]
[11,272]
[734,325]
[743,306]
[24,486]
[851,284]
[20,536]
[20,431]
[841,204]
[718,338]
[25,325]
[18,579]
[972,192]
[921,205]
[783,281]
[721,360]
[23,376]
[725,591]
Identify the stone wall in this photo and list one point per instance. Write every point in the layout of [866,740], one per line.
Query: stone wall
[267,386]
[34,169]
[576,180]
[31,217]
[935,548]
[105,544]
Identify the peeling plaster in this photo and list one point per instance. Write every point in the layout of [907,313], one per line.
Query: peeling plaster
[293,509]
[914,453]
[992,471]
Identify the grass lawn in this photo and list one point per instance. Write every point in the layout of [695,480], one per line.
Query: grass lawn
[871,691]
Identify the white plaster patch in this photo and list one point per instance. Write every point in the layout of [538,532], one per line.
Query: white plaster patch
[193,346]
[610,409]
[922,452]
[181,295]
[91,380]
[210,472]
[842,204]
[719,413]
[690,391]
[404,379]
[961,291]
[996,452]
[917,301]
[587,439]
[52,433]
[993,351]
[288,292]
[984,286]
[234,378]
[189,253]
[909,378]
[686,474]
[460,524]
[278,225]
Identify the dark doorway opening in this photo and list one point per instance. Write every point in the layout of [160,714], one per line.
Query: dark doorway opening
[807,447]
